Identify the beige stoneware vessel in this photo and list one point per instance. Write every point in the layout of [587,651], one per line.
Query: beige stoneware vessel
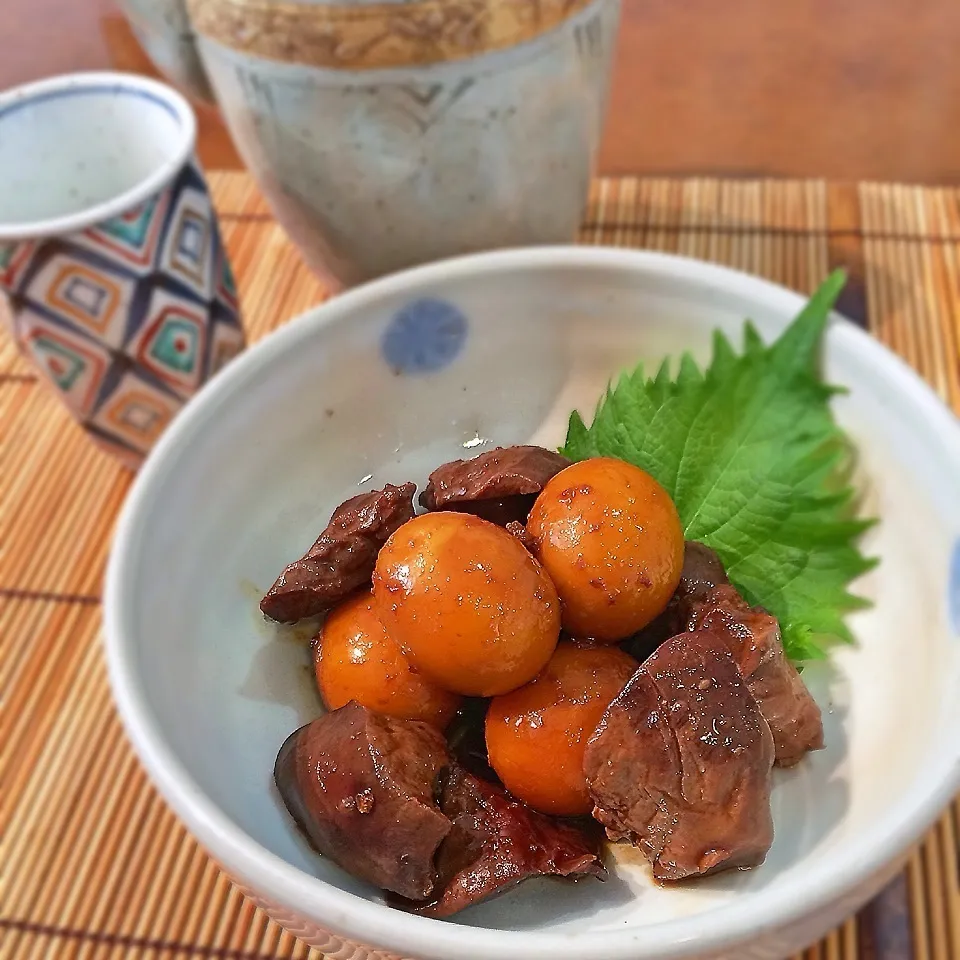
[390,134]
[163,28]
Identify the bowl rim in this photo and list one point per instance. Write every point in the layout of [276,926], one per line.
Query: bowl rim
[367,922]
[110,81]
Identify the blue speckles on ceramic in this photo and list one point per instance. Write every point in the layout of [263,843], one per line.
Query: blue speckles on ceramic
[424,336]
[953,588]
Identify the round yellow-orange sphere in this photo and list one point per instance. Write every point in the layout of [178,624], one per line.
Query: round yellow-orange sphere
[536,735]
[358,660]
[472,610]
[610,538]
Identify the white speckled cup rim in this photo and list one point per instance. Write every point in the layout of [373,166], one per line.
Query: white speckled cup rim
[76,84]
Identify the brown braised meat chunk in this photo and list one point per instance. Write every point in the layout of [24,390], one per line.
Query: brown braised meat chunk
[361,787]
[466,738]
[702,570]
[498,486]
[681,762]
[520,532]
[343,557]
[706,600]
[754,639]
[497,841]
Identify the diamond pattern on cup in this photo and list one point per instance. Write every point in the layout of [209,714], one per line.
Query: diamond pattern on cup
[226,286]
[15,258]
[90,298]
[171,343]
[136,412]
[128,318]
[131,238]
[226,341]
[187,253]
[74,364]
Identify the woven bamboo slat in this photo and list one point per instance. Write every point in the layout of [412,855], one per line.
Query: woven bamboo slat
[93,864]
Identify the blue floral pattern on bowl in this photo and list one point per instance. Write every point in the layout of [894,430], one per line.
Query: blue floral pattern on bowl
[424,336]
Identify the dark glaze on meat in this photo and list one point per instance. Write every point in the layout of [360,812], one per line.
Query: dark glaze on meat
[497,841]
[520,532]
[499,485]
[681,762]
[383,799]
[754,639]
[466,739]
[702,570]
[361,787]
[706,600]
[343,557]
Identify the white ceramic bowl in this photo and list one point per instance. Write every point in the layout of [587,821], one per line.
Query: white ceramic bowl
[389,380]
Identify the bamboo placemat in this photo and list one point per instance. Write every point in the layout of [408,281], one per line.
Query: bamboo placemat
[92,864]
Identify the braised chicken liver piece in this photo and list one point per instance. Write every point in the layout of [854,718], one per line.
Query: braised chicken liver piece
[499,485]
[497,841]
[702,570]
[681,762]
[754,639]
[362,788]
[343,557]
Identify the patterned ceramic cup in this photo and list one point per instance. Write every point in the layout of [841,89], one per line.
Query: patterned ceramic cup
[110,255]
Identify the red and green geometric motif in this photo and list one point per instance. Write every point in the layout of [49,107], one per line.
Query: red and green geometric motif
[74,364]
[172,341]
[14,260]
[127,318]
[132,236]
[176,343]
[63,366]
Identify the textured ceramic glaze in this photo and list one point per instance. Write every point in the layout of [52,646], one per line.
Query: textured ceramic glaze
[382,384]
[486,138]
[110,254]
[364,35]
[163,27]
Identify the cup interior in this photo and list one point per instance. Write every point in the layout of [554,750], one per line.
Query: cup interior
[85,147]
